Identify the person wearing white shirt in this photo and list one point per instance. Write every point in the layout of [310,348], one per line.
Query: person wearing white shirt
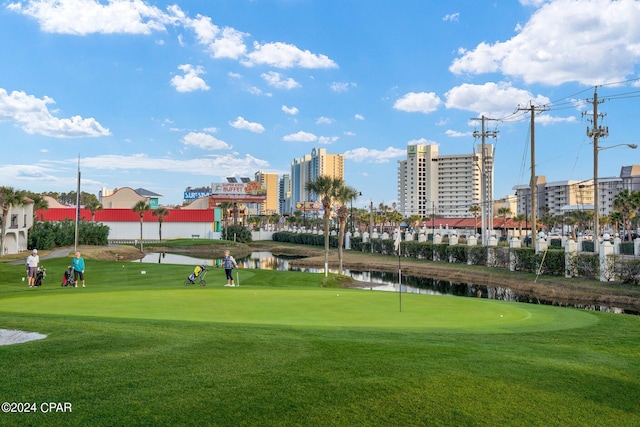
[33,261]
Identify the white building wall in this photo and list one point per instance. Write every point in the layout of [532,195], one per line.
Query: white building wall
[170,230]
[18,222]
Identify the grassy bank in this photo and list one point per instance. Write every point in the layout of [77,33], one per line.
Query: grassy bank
[143,349]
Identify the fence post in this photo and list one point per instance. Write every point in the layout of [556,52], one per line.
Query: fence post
[514,243]
[607,272]
[570,252]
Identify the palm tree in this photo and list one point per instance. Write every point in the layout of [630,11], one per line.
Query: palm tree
[570,221]
[615,219]
[414,220]
[503,212]
[140,208]
[344,194]
[324,187]
[604,220]
[8,197]
[224,207]
[635,200]
[93,206]
[475,210]
[519,219]
[160,212]
[623,203]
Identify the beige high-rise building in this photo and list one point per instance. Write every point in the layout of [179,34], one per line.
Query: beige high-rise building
[444,185]
[270,183]
[309,168]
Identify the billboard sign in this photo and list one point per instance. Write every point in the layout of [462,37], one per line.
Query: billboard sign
[229,188]
[193,195]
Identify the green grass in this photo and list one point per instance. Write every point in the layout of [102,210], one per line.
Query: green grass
[143,349]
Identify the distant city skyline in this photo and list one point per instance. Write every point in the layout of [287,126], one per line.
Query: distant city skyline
[165,95]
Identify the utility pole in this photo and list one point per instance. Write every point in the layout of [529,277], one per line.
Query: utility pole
[533,184]
[486,182]
[595,133]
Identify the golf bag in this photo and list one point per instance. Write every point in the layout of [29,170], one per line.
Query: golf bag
[67,278]
[40,275]
[198,275]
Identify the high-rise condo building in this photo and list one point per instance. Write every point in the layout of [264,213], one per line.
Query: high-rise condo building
[308,168]
[444,185]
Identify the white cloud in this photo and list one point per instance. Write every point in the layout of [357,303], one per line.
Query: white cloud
[276,80]
[494,100]
[324,121]
[421,102]
[33,115]
[191,80]
[457,134]
[327,139]
[282,55]
[258,92]
[367,155]
[242,123]
[590,42]
[208,165]
[290,110]
[341,87]
[546,119]
[535,3]
[359,117]
[204,141]
[452,17]
[423,141]
[83,17]
[225,43]
[301,136]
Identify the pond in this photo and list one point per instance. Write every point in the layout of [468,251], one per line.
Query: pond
[383,281]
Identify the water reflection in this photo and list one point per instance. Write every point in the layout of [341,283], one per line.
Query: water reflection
[382,281]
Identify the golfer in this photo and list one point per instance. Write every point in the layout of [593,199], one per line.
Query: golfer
[229,264]
[78,269]
[32,263]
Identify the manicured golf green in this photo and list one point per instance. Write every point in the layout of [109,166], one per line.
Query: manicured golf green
[137,347]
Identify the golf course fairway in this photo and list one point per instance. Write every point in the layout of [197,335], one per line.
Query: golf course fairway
[138,347]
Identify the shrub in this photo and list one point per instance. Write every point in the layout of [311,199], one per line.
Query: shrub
[628,271]
[237,233]
[458,254]
[48,235]
[553,262]
[524,259]
[586,265]
[477,255]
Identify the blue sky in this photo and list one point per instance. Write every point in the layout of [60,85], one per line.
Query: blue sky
[169,94]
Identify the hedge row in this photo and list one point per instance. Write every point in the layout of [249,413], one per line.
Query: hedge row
[550,263]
